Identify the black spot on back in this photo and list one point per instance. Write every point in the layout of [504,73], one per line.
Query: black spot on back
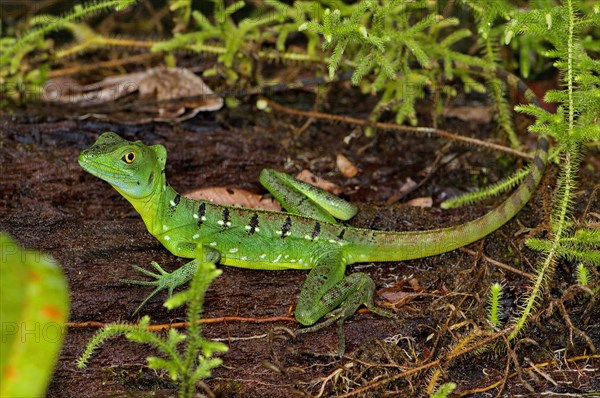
[225,217]
[317,230]
[253,224]
[201,213]
[286,227]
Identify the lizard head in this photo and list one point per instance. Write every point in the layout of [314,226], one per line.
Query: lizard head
[135,170]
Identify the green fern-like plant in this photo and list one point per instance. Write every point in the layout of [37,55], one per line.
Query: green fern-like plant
[183,11]
[583,275]
[16,75]
[494,305]
[581,246]
[489,191]
[486,14]
[382,40]
[444,390]
[46,24]
[237,42]
[574,123]
[185,366]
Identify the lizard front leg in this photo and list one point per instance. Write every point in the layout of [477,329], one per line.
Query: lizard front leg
[328,292]
[170,280]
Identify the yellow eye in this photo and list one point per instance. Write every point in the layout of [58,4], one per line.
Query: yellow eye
[129,157]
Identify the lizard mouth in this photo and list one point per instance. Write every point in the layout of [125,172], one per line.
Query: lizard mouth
[104,172]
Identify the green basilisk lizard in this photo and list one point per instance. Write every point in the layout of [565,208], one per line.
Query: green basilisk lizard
[307,236]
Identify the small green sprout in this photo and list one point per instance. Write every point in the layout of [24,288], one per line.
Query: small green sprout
[185,366]
[494,306]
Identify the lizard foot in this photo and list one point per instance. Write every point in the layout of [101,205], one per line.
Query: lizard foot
[334,316]
[340,315]
[164,281]
[356,289]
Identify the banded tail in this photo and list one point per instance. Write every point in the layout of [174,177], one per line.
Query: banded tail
[398,246]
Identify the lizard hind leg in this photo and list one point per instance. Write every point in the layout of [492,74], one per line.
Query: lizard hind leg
[328,292]
[301,198]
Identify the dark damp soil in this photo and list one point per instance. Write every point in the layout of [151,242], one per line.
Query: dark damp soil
[47,202]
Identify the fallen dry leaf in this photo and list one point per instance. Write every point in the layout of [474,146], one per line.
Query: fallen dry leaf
[420,202]
[307,176]
[415,285]
[397,299]
[477,114]
[408,186]
[443,289]
[345,166]
[234,197]
[156,84]
[399,294]
[241,197]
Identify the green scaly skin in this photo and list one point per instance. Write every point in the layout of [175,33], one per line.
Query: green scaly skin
[306,237]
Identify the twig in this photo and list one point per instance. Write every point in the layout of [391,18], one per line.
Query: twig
[573,329]
[397,127]
[181,325]
[101,65]
[426,366]
[497,263]
[537,370]
[510,376]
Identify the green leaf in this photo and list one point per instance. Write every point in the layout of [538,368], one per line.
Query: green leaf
[455,36]
[158,363]
[494,304]
[204,367]
[555,96]
[174,338]
[444,390]
[423,24]
[582,275]
[202,22]
[122,4]
[209,347]
[588,236]
[417,51]
[238,5]
[177,300]
[541,245]
[35,306]
[487,192]
[585,133]
[532,110]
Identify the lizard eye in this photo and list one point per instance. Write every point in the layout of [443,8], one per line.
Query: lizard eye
[129,157]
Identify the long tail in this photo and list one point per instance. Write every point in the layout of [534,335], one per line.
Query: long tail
[398,246]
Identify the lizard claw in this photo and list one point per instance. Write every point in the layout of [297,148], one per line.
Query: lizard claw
[163,281]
